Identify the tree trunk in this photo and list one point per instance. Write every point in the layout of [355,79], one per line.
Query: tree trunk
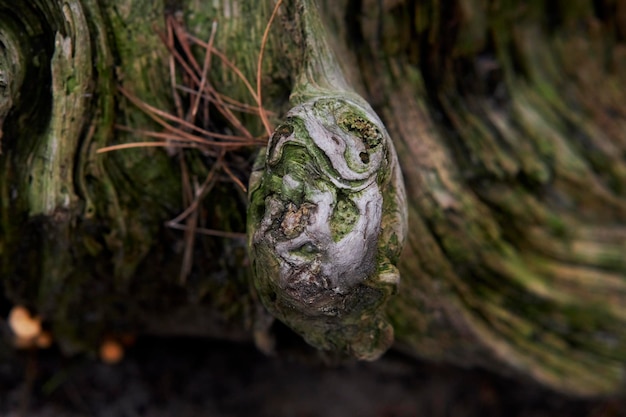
[510,124]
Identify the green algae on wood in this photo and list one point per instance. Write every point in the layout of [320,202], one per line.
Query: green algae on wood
[327,214]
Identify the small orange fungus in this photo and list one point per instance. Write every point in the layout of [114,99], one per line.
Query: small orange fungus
[23,325]
[111,352]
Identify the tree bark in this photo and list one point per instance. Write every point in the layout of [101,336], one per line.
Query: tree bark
[510,124]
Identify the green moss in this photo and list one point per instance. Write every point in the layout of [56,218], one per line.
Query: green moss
[363,128]
[344,216]
[557,227]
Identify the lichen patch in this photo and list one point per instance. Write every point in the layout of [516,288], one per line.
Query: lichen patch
[363,128]
[343,219]
[295,219]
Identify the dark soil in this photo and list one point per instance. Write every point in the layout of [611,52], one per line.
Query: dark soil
[184,377]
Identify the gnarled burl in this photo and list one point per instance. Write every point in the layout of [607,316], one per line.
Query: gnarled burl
[327,214]
[327,220]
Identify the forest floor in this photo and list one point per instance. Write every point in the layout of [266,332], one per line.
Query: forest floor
[185,377]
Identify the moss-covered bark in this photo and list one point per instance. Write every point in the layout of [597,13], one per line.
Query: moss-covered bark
[510,124]
[505,117]
[83,236]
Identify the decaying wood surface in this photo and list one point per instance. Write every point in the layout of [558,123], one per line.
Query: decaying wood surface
[509,120]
